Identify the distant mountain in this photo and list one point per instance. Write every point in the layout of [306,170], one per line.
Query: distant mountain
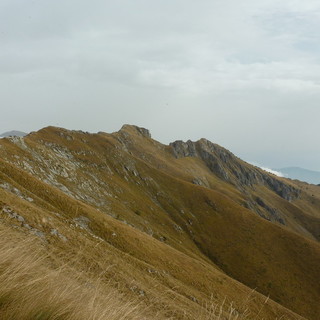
[13,133]
[301,174]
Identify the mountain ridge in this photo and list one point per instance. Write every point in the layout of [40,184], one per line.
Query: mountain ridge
[194,201]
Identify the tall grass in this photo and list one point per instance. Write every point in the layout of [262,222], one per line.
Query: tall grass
[223,311]
[31,289]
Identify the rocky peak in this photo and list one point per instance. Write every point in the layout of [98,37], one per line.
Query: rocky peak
[183,149]
[137,130]
[199,148]
[213,155]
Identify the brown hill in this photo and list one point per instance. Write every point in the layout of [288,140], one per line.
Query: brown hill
[171,225]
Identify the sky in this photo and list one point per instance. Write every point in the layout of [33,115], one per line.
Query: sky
[243,74]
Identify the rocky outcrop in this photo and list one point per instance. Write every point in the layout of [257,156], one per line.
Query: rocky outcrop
[273,213]
[183,149]
[139,130]
[284,190]
[231,169]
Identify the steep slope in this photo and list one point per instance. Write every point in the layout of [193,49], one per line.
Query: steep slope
[158,274]
[188,218]
[209,165]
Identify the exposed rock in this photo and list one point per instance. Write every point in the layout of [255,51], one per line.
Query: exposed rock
[274,214]
[230,168]
[16,191]
[82,222]
[38,233]
[55,232]
[27,226]
[19,141]
[283,190]
[12,214]
[199,182]
[183,149]
[178,228]
[141,131]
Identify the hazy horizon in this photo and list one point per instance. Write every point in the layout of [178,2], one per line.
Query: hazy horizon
[244,74]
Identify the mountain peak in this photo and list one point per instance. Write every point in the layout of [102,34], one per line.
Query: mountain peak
[13,133]
[136,130]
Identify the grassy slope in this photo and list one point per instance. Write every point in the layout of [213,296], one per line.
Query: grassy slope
[35,286]
[216,232]
[130,259]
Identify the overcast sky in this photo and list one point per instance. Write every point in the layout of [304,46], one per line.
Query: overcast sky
[244,74]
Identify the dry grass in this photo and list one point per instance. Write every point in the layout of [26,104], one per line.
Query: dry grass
[221,311]
[30,289]
[33,289]
[214,227]
[229,311]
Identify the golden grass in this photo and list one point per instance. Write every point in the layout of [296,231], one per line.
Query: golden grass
[31,289]
[214,227]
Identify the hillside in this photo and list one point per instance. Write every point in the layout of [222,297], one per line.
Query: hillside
[175,228]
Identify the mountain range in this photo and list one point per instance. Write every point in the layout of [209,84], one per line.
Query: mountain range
[181,231]
[13,133]
[301,174]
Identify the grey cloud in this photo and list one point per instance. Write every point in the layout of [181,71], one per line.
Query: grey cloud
[244,74]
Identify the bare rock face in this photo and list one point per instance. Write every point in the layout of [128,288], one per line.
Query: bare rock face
[144,132]
[285,191]
[141,131]
[231,169]
[183,149]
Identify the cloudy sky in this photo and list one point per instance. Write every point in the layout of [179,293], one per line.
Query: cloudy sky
[244,74]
